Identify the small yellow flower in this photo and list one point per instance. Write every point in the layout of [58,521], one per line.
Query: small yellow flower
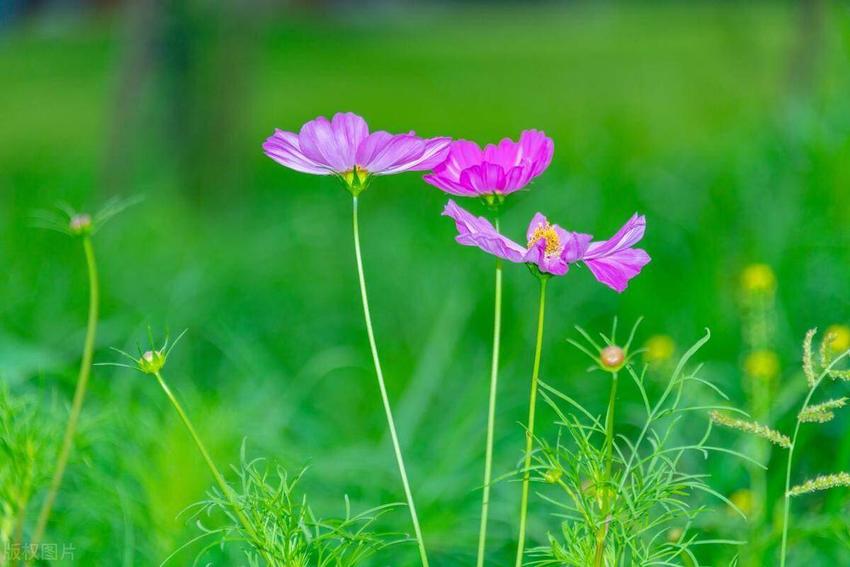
[659,349]
[762,364]
[758,279]
[837,338]
[743,499]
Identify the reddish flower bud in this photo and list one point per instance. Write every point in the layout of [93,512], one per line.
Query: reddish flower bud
[612,358]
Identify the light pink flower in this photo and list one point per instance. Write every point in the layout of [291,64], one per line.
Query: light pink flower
[551,249]
[343,146]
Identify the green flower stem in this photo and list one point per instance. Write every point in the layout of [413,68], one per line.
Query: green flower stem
[226,490]
[79,395]
[787,511]
[787,508]
[384,398]
[609,461]
[529,434]
[491,411]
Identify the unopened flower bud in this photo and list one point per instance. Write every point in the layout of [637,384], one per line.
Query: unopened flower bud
[80,224]
[552,476]
[151,361]
[612,358]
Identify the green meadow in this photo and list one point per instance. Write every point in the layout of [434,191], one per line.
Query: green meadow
[727,125]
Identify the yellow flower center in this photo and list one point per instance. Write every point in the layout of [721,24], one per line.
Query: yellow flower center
[356,176]
[546,232]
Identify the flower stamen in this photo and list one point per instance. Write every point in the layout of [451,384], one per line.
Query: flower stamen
[546,231]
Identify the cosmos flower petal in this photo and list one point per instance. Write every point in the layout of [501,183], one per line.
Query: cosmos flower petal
[349,132]
[538,149]
[630,234]
[616,269]
[462,155]
[433,154]
[477,231]
[449,185]
[283,147]
[483,178]
[383,153]
[329,142]
[502,168]
[537,221]
[575,246]
[550,263]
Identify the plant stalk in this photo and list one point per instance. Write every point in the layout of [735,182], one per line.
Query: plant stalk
[609,461]
[529,434]
[79,395]
[491,411]
[226,490]
[786,514]
[384,398]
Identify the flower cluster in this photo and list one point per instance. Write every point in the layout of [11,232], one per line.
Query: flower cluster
[344,147]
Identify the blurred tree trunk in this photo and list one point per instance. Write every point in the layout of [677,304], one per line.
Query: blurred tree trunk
[198,57]
[134,71]
[808,47]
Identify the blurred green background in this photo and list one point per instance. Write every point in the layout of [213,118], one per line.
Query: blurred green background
[727,124]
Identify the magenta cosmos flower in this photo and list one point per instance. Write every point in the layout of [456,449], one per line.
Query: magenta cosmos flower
[551,249]
[344,147]
[495,171]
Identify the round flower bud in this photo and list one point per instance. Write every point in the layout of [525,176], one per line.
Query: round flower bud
[151,361]
[80,224]
[758,279]
[612,358]
[552,476]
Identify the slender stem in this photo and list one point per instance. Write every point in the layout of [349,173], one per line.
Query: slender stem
[529,434]
[384,398]
[787,511]
[79,396]
[609,461]
[787,508]
[226,490]
[491,411]
[23,502]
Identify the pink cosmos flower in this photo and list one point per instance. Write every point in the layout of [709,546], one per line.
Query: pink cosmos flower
[552,249]
[496,170]
[343,146]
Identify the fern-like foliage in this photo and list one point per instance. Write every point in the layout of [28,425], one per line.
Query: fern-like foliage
[28,440]
[282,525]
[649,493]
